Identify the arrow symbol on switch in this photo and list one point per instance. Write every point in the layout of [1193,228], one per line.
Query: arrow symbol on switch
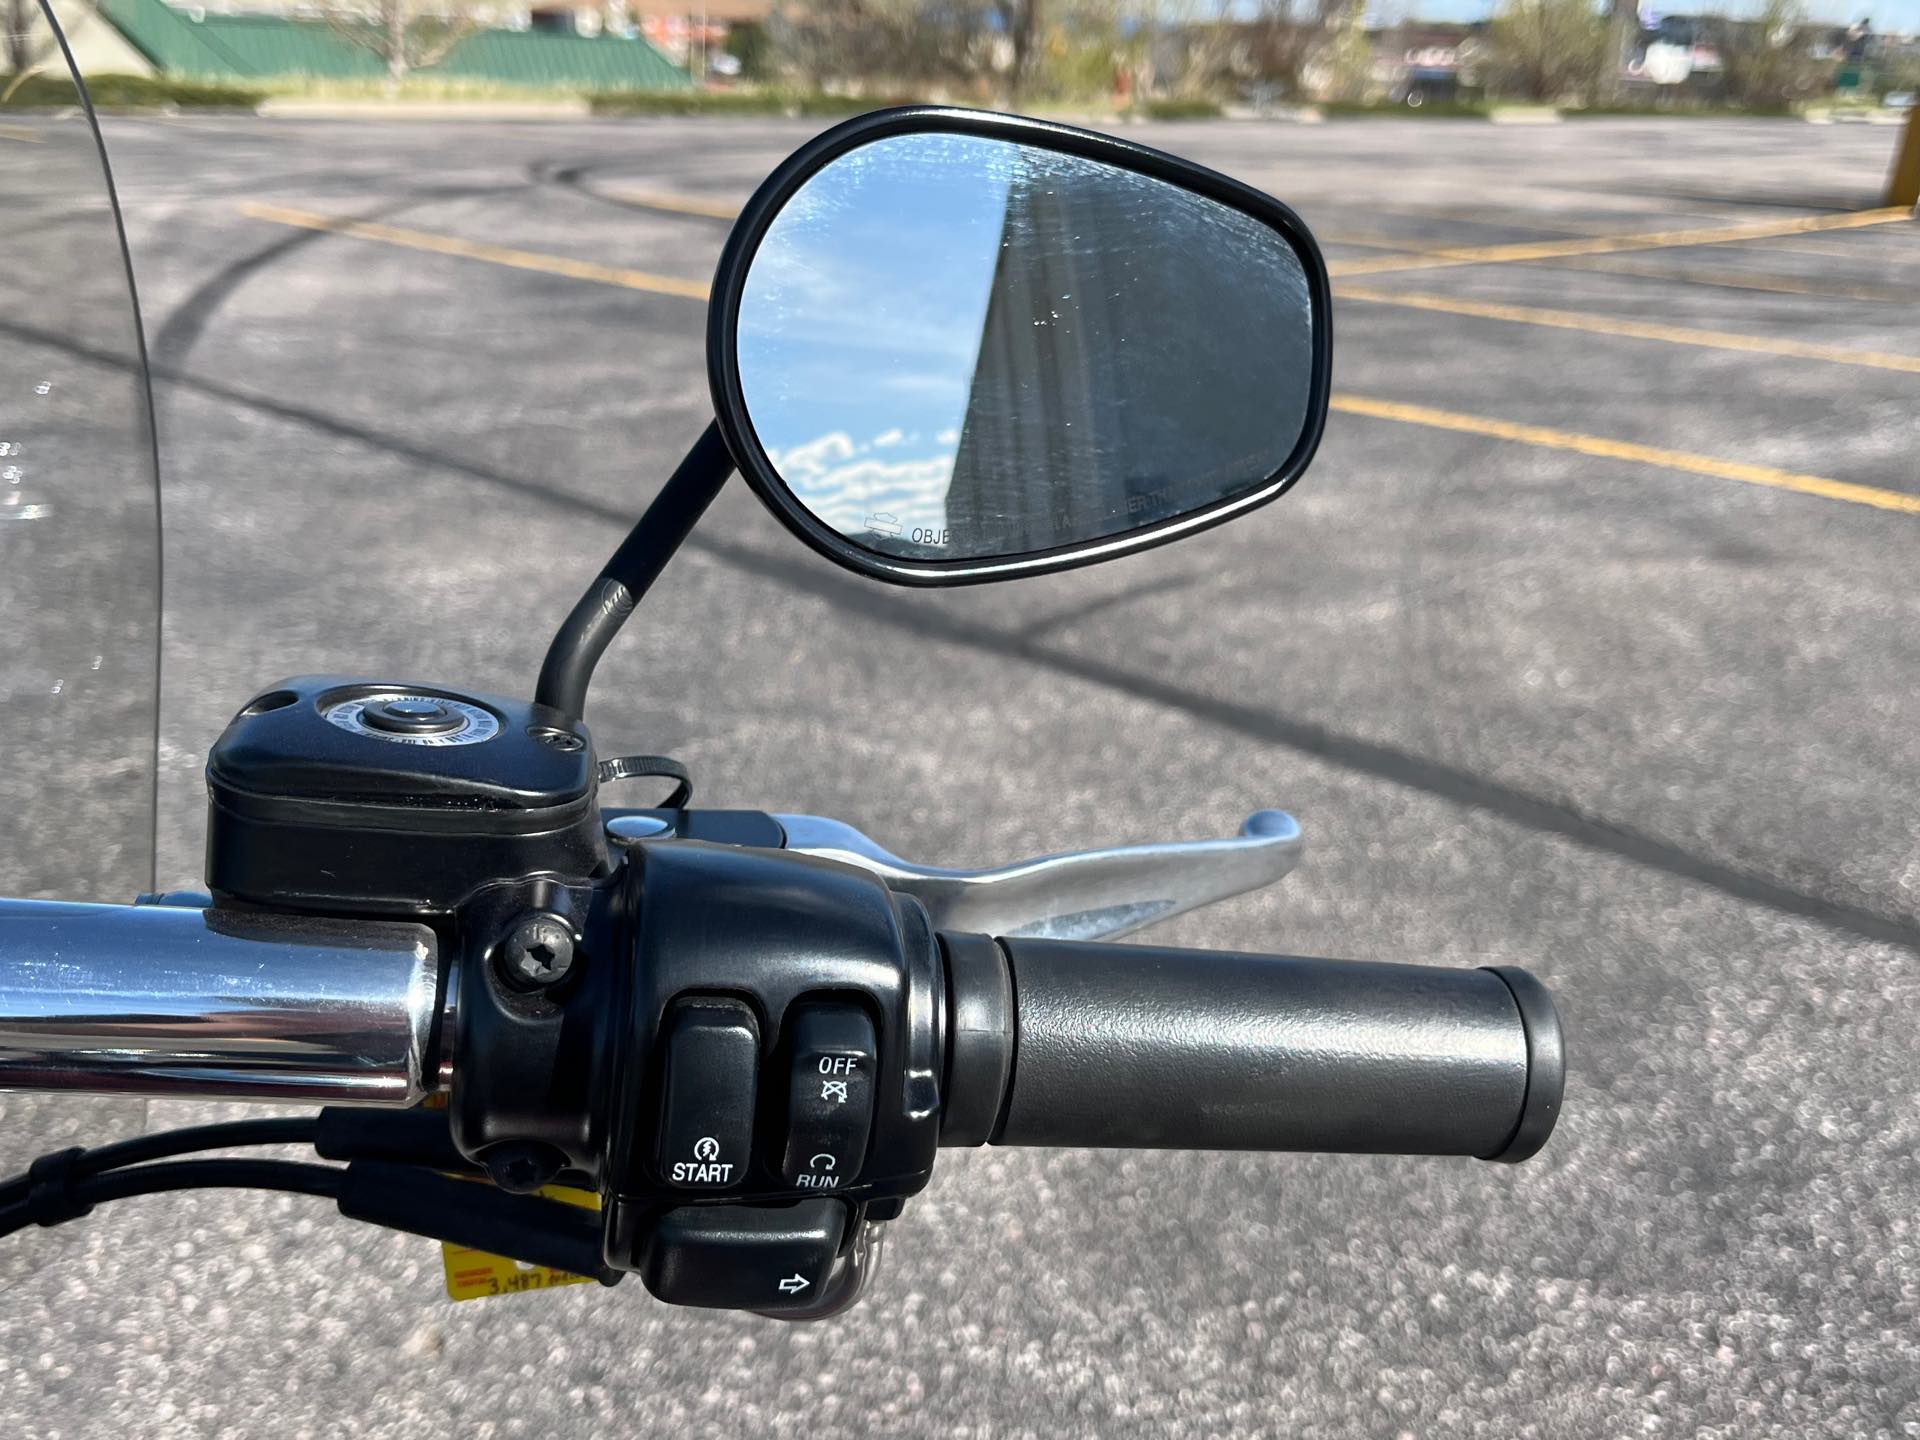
[793,1284]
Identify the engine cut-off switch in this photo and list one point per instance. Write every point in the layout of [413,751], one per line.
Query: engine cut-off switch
[831,1064]
[706,1109]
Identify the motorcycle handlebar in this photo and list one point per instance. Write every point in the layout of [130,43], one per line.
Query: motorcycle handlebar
[1049,1042]
[1071,1043]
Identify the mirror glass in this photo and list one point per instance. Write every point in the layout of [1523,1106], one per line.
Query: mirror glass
[957,347]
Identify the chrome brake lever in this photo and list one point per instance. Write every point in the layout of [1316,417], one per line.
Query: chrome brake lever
[1082,895]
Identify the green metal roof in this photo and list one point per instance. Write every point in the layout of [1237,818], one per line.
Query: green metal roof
[522,57]
[253,47]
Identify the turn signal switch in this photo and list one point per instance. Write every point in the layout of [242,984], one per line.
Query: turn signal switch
[744,1257]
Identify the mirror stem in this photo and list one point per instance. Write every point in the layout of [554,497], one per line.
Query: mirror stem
[587,631]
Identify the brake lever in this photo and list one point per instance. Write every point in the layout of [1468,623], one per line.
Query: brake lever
[1079,895]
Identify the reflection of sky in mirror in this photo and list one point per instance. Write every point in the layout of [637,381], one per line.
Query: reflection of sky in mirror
[860,326]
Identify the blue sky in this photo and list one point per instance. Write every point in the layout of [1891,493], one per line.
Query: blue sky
[1885,14]
[860,327]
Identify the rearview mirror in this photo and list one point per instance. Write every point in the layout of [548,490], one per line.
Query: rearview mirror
[950,346]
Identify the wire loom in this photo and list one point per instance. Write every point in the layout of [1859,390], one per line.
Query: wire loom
[417,1198]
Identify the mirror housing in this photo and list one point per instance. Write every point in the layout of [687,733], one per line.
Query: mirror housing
[1133,503]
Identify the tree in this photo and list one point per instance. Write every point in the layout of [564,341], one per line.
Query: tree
[885,42]
[407,35]
[1623,32]
[1900,72]
[1339,61]
[1272,48]
[747,41]
[18,17]
[1283,39]
[1547,49]
[989,46]
[1020,22]
[1764,58]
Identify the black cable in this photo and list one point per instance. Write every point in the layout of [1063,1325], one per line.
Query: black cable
[288,1175]
[279,1130]
[397,1196]
[295,1176]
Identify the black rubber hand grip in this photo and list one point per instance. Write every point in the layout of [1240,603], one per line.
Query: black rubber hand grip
[1137,1046]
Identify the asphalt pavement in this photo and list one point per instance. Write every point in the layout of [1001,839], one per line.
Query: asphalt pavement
[1589,644]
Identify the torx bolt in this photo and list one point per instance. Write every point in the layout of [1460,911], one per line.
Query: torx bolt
[537,953]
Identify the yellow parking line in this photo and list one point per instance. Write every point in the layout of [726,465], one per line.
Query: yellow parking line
[1558,227]
[21,133]
[1683,274]
[1615,244]
[676,204]
[1741,280]
[472,250]
[1347,404]
[1393,243]
[1633,329]
[1553,225]
[1836,252]
[1606,449]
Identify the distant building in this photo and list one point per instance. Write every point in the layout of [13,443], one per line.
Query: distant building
[587,47]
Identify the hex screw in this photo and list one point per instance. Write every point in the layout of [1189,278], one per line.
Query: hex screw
[521,1167]
[537,953]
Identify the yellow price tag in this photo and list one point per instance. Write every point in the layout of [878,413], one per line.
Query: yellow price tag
[476,1275]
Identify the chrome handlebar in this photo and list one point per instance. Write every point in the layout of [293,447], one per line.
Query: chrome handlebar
[169,999]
